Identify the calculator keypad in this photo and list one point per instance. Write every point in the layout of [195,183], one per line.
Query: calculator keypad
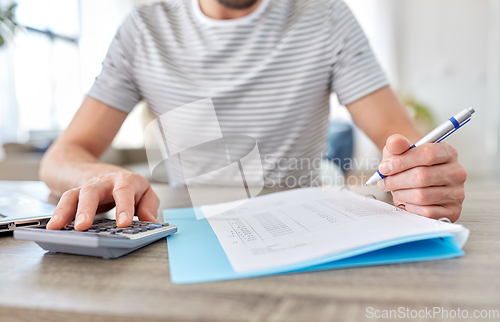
[108,227]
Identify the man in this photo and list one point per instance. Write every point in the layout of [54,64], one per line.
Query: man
[269,66]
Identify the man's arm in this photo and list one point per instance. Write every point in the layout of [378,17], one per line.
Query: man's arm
[72,170]
[381,115]
[428,179]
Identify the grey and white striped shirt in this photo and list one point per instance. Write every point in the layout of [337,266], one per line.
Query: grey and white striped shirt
[269,74]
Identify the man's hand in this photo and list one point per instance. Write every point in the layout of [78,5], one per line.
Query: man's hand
[131,193]
[427,180]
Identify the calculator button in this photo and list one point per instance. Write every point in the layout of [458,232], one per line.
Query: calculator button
[142,229]
[150,227]
[93,230]
[155,225]
[130,231]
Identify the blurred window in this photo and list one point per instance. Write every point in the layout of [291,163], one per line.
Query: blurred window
[47,64]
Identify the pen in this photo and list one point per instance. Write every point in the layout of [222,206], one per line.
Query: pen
[435,136]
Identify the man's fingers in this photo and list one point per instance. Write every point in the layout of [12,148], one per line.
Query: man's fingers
[431,195]
[65,210]
[147,209]
[102,193]
[398,203]
[420,177]
[427,179]
[424,155]
[90,196]
[124,195]
[396,144]
[452,212]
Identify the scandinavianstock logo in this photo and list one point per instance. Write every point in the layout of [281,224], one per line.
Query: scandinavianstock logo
[185,146]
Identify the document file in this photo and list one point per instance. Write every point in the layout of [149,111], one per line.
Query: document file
[302,228]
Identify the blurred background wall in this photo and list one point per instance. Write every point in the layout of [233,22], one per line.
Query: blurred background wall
[442,54]
[445,54]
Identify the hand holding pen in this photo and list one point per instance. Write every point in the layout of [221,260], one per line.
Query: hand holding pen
[425,177]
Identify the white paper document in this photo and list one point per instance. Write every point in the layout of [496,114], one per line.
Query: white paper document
[302,224]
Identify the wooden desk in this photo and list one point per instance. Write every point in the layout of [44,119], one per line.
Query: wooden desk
[35,285]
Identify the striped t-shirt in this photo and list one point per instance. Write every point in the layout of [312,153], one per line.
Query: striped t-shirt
[269,73]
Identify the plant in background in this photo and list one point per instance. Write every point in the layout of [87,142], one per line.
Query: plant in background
[8,24]
[420,113]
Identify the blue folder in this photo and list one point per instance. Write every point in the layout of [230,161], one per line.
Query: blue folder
[196,255]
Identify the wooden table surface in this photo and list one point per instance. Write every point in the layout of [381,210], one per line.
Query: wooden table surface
[36,285]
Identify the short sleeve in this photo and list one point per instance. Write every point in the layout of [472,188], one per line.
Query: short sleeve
[115,85]
[355,70]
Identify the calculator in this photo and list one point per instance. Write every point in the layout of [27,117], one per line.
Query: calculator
[103,239]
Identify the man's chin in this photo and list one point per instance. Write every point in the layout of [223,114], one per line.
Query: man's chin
[237,4]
